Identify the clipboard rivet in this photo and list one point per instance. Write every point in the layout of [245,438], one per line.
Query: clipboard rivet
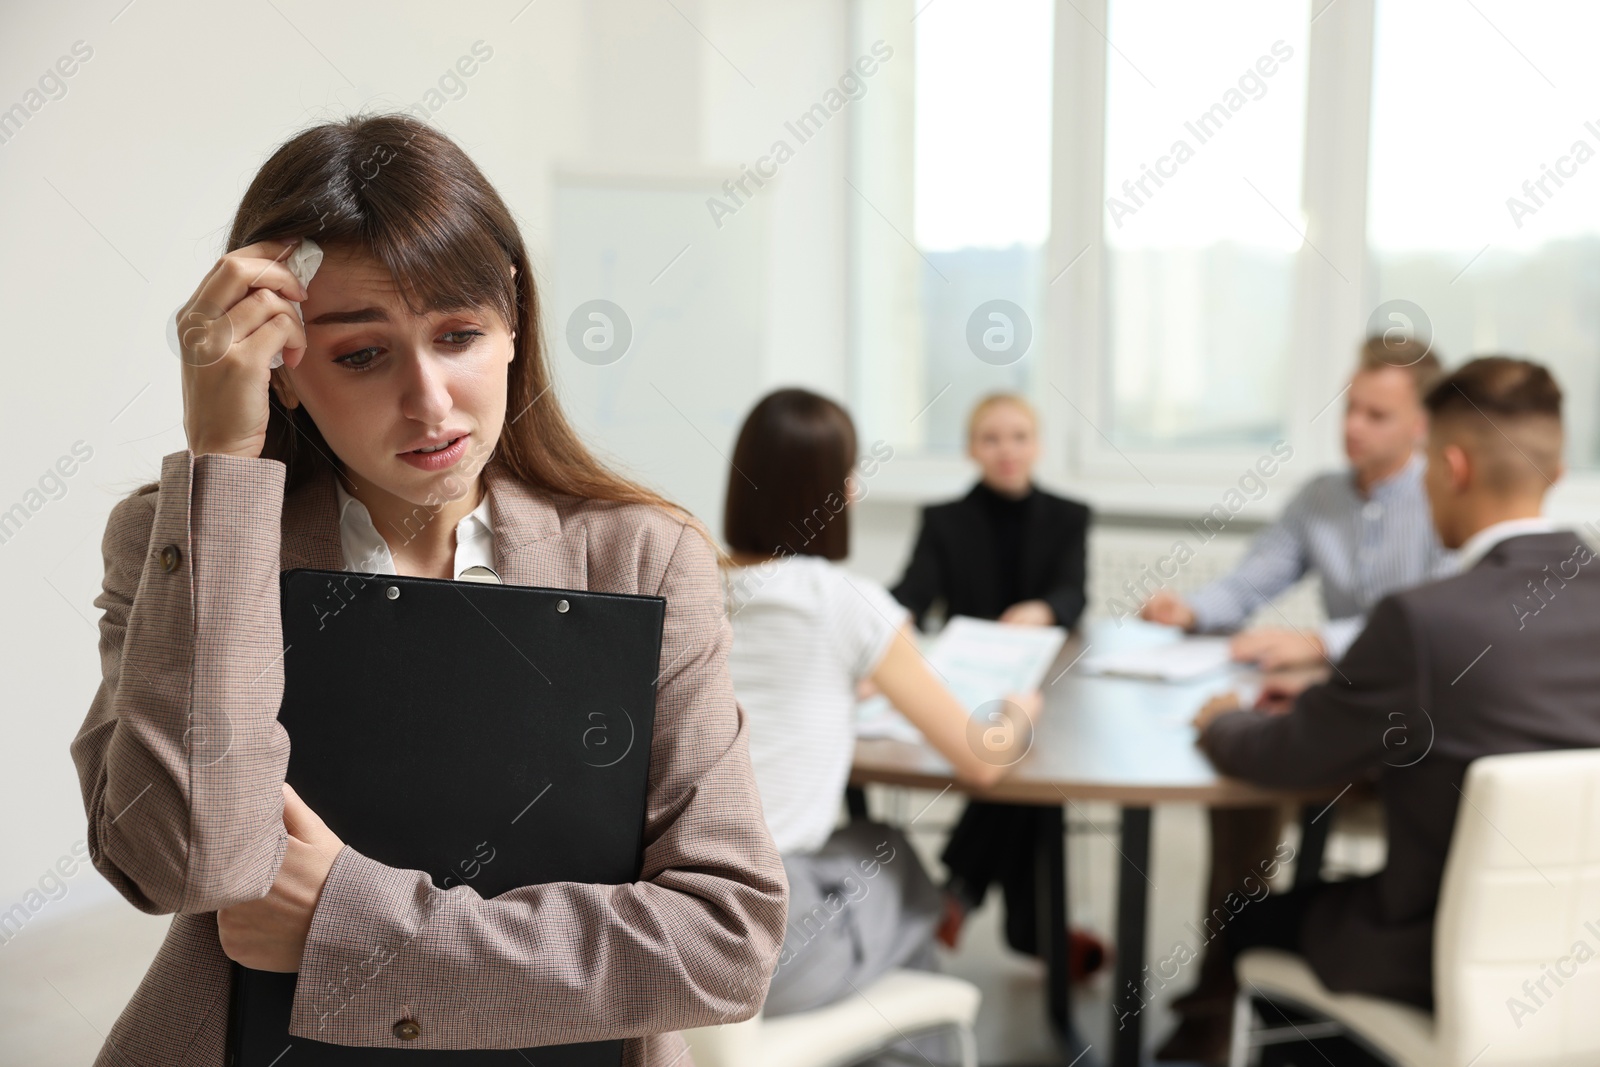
[393,592]
[562,605]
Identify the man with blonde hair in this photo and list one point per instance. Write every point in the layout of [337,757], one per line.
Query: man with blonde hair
[1365,532]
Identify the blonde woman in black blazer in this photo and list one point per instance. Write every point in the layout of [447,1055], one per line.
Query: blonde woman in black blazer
[1010,551]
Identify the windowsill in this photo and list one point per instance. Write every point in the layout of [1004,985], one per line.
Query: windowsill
[920,481]
[910,481]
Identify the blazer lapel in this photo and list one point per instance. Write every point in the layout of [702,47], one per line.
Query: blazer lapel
[530,546]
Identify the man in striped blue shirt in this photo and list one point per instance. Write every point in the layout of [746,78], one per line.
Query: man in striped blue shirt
[1365,532]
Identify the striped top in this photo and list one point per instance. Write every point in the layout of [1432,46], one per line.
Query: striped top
[804,632]
[1363,548]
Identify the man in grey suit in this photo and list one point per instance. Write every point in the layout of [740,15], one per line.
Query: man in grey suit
[1499,658]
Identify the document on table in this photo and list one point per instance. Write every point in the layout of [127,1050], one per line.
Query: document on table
[1176,661]
[979,661]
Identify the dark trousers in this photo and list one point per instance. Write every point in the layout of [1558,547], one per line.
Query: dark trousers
[1274,921]
[995,843]
[1243,840]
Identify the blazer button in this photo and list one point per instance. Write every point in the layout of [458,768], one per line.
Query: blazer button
[170,558]
[407,1030]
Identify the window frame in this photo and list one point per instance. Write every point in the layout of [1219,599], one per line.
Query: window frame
[1327,319]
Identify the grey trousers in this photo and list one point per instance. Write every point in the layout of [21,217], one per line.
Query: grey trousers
[860,906]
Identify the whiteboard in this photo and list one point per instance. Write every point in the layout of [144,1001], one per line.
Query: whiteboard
[665,408]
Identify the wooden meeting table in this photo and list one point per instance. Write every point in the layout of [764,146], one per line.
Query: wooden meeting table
[1128,741]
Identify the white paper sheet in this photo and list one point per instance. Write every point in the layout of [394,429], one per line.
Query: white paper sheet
[980,661]
[1176,661]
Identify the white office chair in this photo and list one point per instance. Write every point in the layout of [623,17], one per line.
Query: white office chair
[900,1004]
[1520,901]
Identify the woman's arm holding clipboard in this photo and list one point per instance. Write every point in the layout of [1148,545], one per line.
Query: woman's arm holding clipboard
[181,759]
[691,943]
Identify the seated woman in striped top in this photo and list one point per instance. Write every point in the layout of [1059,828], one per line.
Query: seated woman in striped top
[805,634]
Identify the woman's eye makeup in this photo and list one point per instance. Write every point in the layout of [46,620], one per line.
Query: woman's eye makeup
[357,360]
[363,358]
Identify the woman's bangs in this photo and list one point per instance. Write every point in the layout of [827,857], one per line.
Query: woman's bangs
[444,265]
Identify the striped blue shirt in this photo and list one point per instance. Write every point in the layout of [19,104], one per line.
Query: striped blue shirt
[1363,548]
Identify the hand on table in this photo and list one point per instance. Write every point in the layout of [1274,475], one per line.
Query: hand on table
[1221,704]
[1006,738]
[1279,691]
[1031,703]
[1029,613]
[1168,608]
[269,934]
[1272,648]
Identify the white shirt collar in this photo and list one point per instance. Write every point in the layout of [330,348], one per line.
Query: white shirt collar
[366,551]
[1479,544]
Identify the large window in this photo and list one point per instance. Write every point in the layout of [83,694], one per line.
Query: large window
[951,258]
[1484,197]
[982,200]
[1205,127]
[1132,175]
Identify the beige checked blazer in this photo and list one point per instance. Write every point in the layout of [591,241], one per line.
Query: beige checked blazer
[181,759]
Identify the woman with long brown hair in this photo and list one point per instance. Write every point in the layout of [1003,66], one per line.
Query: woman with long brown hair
[409,430]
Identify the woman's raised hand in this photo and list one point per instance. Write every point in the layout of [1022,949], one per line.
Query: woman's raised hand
[228,332]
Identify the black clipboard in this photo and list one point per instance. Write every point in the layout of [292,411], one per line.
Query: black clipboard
[492,735]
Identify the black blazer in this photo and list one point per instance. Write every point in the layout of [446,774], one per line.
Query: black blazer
[955,559]
[1529,679]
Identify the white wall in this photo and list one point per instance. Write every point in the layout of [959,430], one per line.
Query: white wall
[116,199]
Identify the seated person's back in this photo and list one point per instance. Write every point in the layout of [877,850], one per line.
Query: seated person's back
[1500,658]
[1493,675]
[805,632]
